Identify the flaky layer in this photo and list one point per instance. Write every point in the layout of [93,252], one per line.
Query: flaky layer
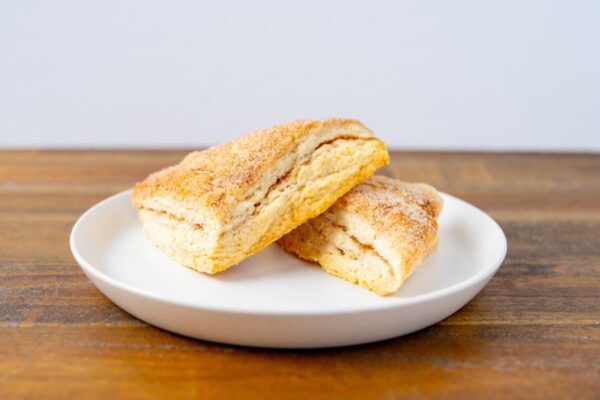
[185,243]
[326,161]
[374,236]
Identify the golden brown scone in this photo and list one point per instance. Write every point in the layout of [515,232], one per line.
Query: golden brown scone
[373,236]
[218,206]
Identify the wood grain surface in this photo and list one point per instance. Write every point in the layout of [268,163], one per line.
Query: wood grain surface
[533,332]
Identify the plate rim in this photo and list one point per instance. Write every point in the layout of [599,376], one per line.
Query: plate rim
[485,274]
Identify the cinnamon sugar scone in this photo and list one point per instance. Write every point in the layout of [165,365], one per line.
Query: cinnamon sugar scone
[373,236]
[220,205]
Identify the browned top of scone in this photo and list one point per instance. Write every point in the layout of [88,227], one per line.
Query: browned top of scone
[220,175]
[398,209]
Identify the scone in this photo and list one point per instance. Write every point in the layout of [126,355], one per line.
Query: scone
[218,206]
[373,236]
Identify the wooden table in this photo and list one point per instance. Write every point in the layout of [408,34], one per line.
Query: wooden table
[533,332]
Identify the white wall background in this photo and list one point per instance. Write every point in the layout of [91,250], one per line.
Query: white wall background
[423,74]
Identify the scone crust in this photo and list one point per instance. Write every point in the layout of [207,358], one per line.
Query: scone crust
[219,176]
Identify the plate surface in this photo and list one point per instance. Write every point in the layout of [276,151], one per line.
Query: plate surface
[273,299]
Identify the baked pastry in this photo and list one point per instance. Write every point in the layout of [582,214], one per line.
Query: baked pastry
[373,236]
[220,205]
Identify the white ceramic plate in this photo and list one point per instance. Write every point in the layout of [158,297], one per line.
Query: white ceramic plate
[273,299]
